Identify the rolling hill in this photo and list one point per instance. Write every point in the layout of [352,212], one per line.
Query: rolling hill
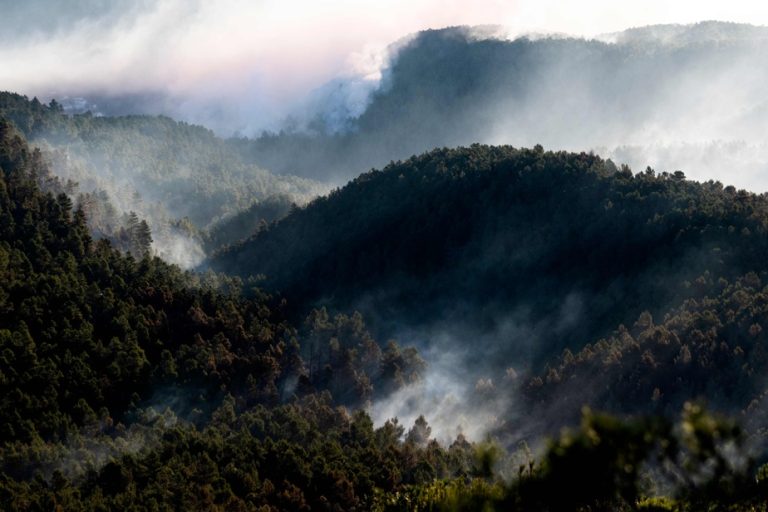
[565,246]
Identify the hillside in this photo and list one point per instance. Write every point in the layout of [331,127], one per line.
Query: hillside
[247,222]
[524,251]
[127,384]
[711,347]
[161,169]
[536,283]
[666,92]
[107,361]
[283,257]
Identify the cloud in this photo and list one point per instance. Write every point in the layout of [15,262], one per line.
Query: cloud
[247,64]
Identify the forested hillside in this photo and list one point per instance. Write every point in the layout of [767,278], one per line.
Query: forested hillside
[106,360]
[548,280]
[673,96]
[567,246]
[129,384]
[711,347]
[247,222]
[158,168]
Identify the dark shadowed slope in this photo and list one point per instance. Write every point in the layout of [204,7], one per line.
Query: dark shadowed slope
[526,250]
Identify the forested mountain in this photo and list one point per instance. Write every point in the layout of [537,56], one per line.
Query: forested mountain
[129,384]
[157,168]
[114,368]
[525,264]
[480,235]
[475,269]
[663,95]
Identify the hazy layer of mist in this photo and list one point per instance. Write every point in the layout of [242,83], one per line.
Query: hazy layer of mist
[451,397]
[234,66]
[180,179]
[241,67]
[664,90]
[675,97]
[472,379]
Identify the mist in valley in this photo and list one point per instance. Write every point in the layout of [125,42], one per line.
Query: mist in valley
[185,183]
[546,217]
[670,97]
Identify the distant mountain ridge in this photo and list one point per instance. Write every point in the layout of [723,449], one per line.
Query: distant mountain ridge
[681,34]
[161,169]
[681,86]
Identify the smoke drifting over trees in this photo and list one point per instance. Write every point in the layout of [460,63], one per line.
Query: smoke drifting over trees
[662,96]
[497,261]
[185,323]
[179,178]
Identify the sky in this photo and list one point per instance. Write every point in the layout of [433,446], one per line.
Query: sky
[260,59]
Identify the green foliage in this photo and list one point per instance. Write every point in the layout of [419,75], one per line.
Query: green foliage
[308,454]
[154,166]
[469,238]
[710,347]
[611,464]
[443,496]
[126,383]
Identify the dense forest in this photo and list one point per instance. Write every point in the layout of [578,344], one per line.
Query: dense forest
[475,268]
[104,353]
[485,327]
[129,384]
[181,179]
[464,238]
[637,96]
[633,293]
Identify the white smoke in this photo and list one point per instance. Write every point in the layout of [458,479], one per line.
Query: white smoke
[447,397]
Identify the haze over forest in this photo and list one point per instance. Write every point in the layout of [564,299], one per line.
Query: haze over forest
[626,96]
[383,256]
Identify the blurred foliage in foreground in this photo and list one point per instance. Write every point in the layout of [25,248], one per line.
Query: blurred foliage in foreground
[649,464]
